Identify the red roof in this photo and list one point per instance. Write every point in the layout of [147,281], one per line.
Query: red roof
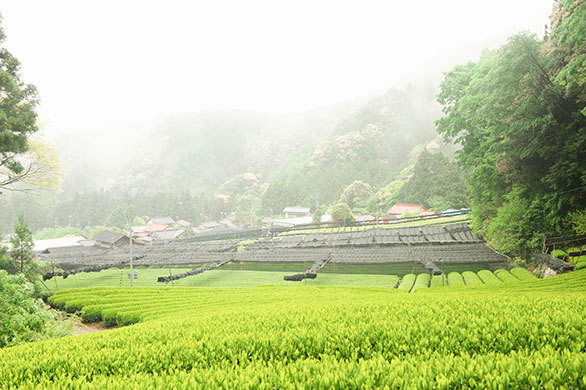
[156,227]
[184,222]
[402,208]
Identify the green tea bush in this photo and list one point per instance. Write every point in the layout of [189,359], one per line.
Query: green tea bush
[524,335]
[523,274]
[438,280]
[407,282]
[560,254]
[471,278]
[422,281]
[91,313]
[488,277]
[455,279]
[505,276]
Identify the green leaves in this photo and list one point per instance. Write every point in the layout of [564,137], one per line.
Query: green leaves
[17,116]
[514,336]
[21,315]
[522,134]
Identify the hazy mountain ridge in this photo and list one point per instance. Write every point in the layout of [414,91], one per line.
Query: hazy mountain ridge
[197,151]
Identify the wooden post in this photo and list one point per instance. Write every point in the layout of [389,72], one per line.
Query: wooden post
[55,277]
[170,274]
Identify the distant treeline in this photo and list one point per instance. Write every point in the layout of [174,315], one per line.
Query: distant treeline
[102,208]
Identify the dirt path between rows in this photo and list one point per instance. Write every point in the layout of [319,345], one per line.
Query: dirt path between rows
[78,326]
[88,328]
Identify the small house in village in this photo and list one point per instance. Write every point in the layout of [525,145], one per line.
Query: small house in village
[299,221]
[162,229]
[110,239]
[170,234]
[42,245]
[209,225]
[400,209]
[183,223]
[161,221]
[365,219]
[296,212]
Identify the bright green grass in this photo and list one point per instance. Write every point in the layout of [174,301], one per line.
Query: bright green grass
[216,278]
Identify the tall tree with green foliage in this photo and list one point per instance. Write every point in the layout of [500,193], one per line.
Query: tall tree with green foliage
[22,247]
[18,118]
[522,132]
[356,193]
[342,214]
[6,263]
[436,181]
[569,28]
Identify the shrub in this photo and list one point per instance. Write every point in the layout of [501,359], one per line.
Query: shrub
[505,276]
[22,317]
[488,277]
[407,282]
[471,278]
[523,274]
[560,254]
[128,318]
[91,313]
[341,213]
[576,251]
[455,279]
[578,221]
[438,280]
[422,281]
[109,317]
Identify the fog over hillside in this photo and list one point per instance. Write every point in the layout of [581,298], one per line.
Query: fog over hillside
[195,151]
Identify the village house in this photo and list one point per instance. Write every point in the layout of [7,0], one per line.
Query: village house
[296,212]
[170,234]
[365,219]
[400,209]
[211,225]
[161,221]
[110,239]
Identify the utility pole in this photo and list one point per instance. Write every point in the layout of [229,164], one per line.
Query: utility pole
[130,236]
[131,270]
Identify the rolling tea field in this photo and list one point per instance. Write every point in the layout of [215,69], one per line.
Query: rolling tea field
[147,277]
[527,334]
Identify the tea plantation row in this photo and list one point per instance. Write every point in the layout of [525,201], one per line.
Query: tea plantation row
[522,335]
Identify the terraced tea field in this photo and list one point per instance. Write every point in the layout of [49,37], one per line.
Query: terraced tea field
[147,277]
[528,334]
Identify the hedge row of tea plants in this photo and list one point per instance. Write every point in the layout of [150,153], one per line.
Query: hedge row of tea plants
[528,334]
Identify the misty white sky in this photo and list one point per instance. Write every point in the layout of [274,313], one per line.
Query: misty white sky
[108,64]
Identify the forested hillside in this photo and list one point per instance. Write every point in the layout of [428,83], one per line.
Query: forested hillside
[519,114]
[199,166]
